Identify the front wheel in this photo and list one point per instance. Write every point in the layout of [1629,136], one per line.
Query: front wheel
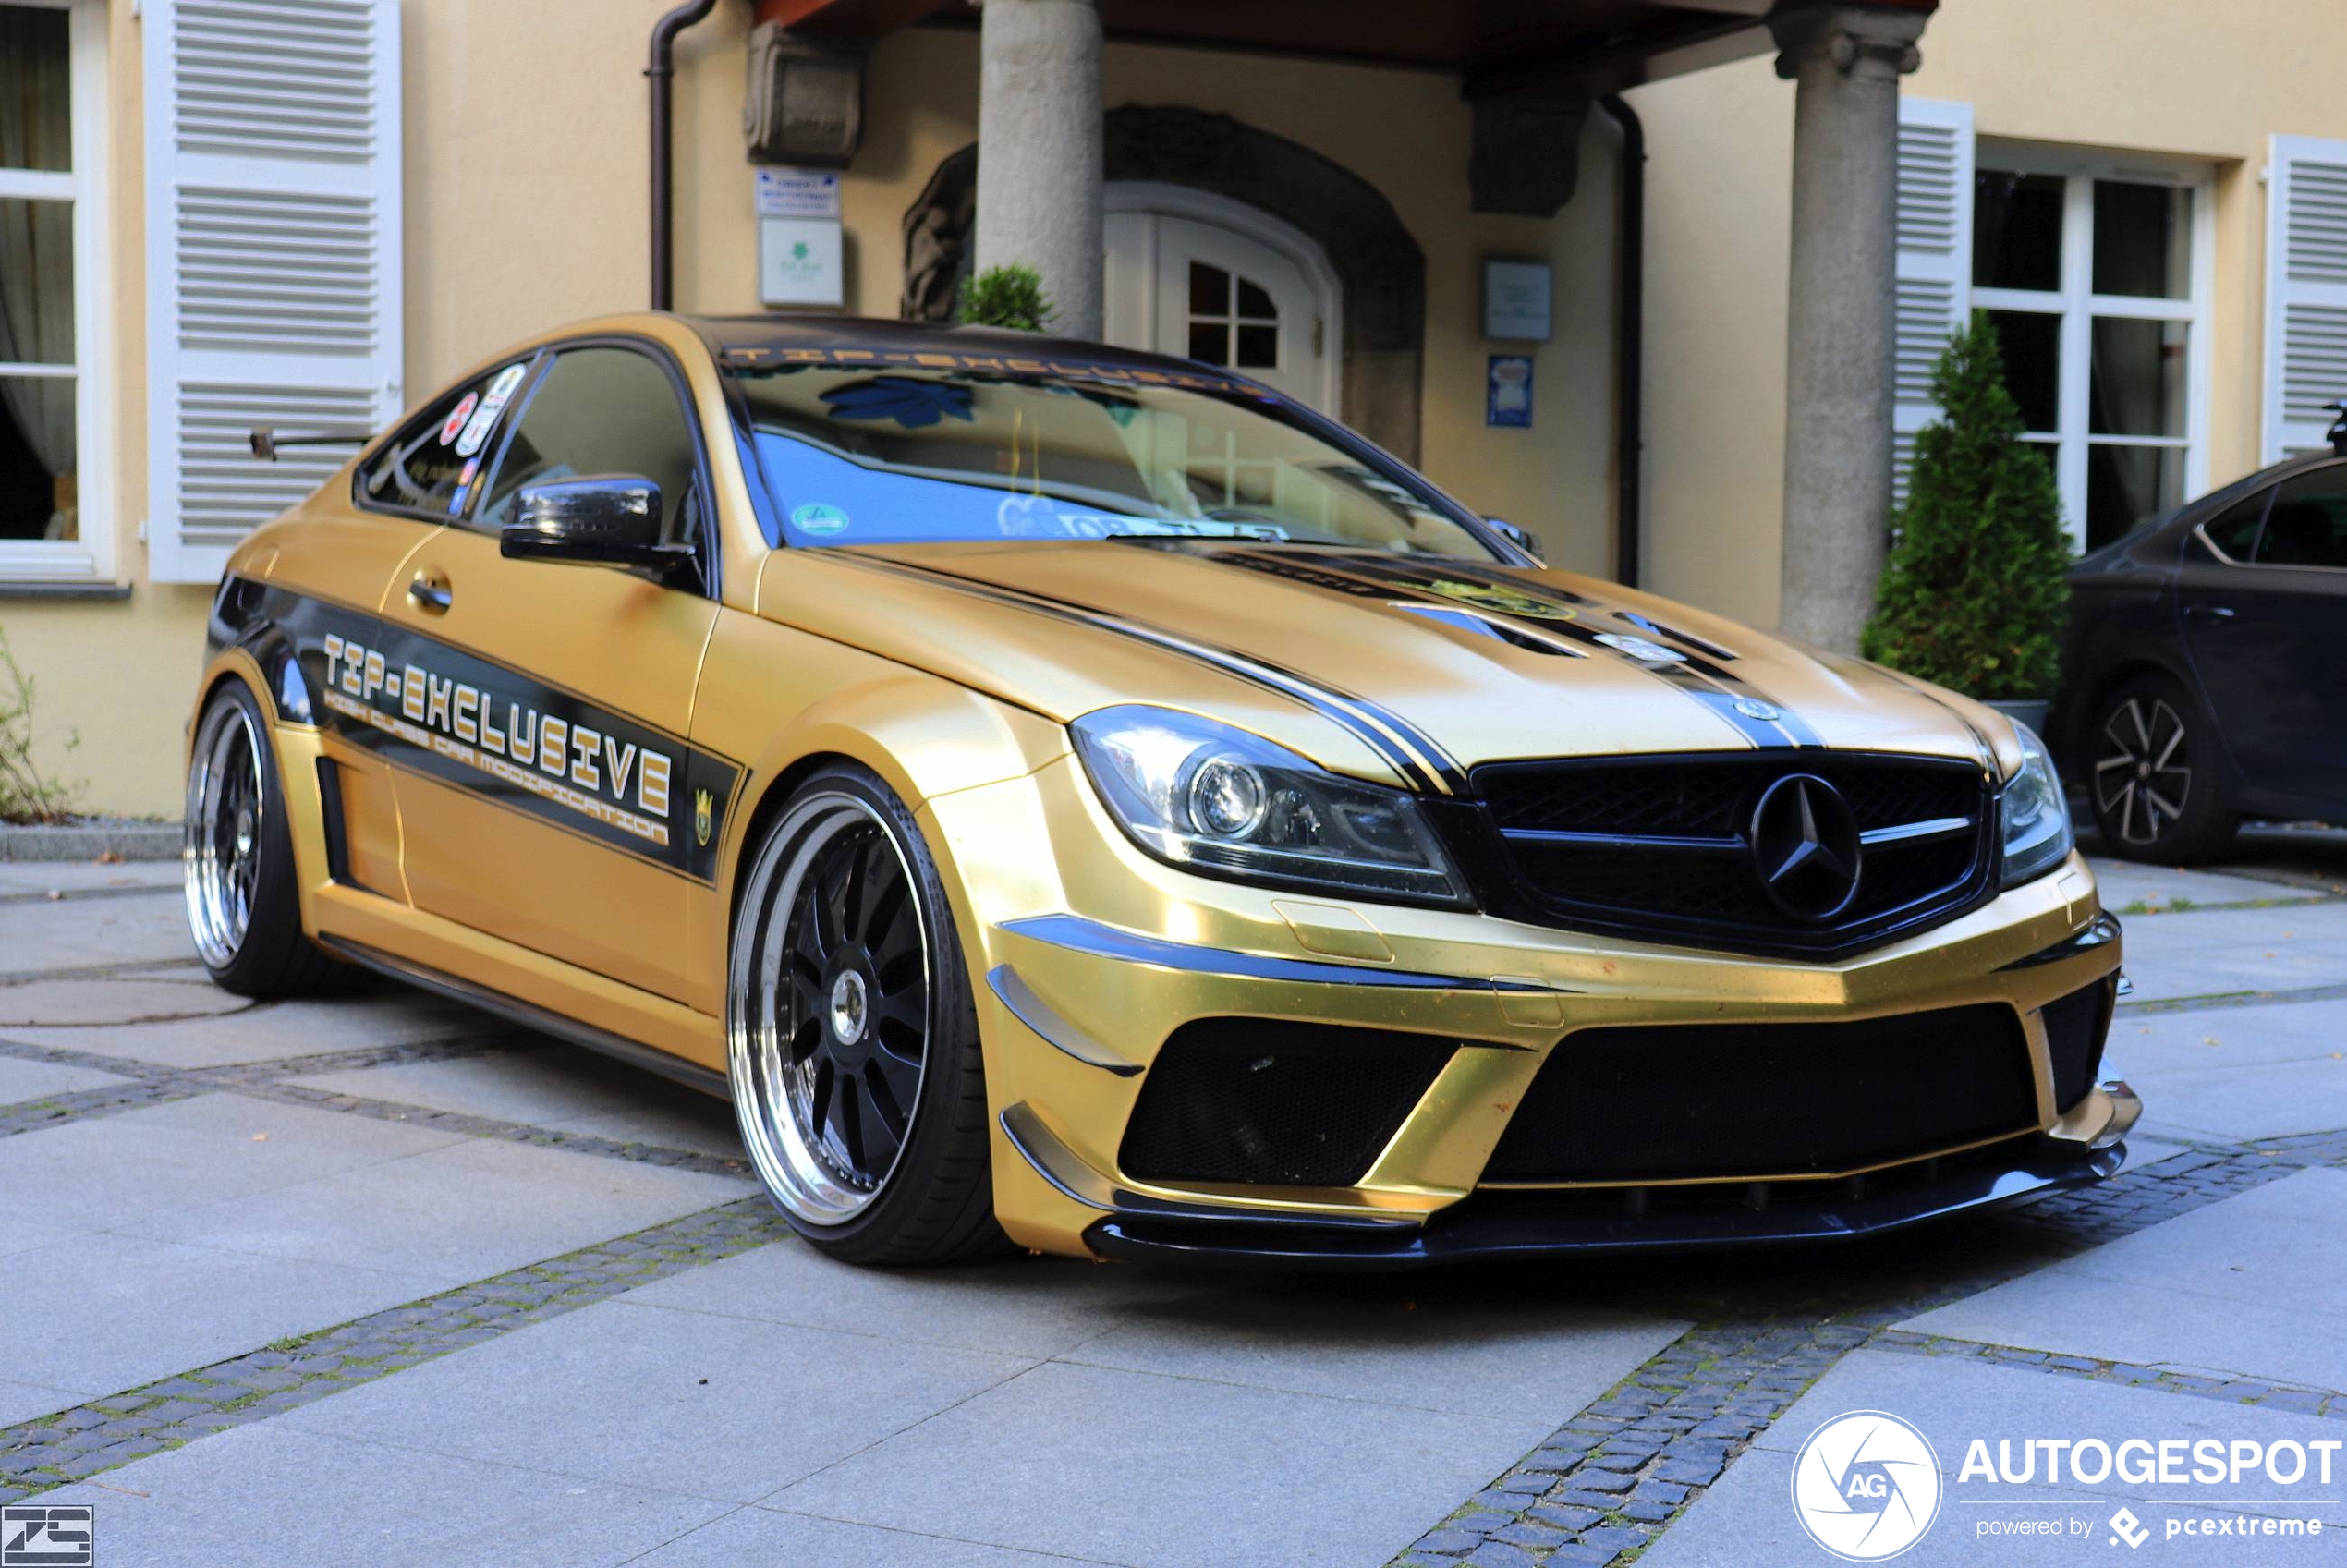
[851,1037]
[2155,775]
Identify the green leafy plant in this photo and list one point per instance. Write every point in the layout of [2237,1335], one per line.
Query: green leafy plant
[1972,596]
[26,794]
[1009,297]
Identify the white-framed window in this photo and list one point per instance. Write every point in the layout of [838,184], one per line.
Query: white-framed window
[56,523]
[2097,270]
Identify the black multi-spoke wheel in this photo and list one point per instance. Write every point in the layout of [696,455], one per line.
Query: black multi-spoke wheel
[2154,782]
[852,1042]
[244,907]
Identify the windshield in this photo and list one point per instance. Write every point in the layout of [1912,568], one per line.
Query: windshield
[859,456]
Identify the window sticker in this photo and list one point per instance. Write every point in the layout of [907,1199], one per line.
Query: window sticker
[464,485]
[456,419]
[819,517]
[501,392]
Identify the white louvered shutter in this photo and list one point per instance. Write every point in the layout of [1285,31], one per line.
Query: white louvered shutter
[273,256]
[1935,256]
[2306,292]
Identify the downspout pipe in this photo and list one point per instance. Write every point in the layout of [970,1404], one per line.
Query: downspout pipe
[1629,415]
[662,70]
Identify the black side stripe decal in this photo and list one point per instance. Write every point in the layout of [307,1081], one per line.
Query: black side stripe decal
[1412,753]
[1699,674]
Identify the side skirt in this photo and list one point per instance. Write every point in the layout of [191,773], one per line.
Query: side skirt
[529,1015]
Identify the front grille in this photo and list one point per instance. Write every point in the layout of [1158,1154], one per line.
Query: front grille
[1725,1101]
[2075,1026]
[1260,1100]
[1663,848]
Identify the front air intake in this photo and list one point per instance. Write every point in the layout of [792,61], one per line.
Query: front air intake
[1261,1101]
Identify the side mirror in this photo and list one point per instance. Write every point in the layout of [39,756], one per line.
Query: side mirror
[1521,538]
[609,519]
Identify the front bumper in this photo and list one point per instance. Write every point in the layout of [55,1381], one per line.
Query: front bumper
[1089,958]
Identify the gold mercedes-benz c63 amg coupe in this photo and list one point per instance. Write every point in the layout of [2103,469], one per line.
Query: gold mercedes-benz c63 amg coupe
[1085,800]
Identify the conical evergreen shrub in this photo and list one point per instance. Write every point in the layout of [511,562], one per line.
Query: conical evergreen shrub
[1972,596]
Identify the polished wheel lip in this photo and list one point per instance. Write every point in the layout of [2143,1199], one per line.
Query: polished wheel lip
[770,1096]
[2139,749]
[220,852]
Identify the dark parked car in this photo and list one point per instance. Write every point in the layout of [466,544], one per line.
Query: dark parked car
[2205,674]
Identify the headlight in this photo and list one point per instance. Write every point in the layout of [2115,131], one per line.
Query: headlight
[2035,814]
[1207,797]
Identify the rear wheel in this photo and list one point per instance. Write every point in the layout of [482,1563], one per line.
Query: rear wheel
[2155,774]
[852,1039]
[244,904]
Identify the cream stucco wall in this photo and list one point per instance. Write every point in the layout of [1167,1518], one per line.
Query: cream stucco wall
[2204,81]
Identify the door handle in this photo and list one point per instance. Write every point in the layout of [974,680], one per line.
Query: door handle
[432,594]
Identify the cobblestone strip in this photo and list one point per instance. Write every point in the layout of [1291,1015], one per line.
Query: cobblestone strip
[104,971]
[2232,1390]
[72,1445]
[153,1085]
[2224,999]
[75,895]
[1618,1474]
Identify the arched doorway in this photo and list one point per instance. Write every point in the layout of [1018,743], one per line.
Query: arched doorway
[1201,275]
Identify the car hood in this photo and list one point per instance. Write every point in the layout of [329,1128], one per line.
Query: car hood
[1348,654]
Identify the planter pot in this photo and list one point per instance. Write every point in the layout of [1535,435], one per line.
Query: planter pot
[2021,711]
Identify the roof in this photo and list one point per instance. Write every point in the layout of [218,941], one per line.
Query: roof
[752,341]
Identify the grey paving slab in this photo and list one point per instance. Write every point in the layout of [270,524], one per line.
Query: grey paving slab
[21,1082]
[19,1235]
[718,1407]
[22,1402]
[84,875]
[552,1086]
[2126,882]
[100,1313]
[115,1171]
[1033,1308]
[760,1534]
[270,1494]
[390,1016]
[73,933]
[2278,1100]
[2230,1037]
[1131,1467]
[448,1214]
[25,1008]
[2248,1287]
[1535,1361]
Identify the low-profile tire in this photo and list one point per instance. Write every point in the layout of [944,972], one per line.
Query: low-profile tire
[244,904]
[851,1034]
[2153,777]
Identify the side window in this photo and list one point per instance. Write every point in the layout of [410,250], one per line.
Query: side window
[599,410]
[2234,531]
[2308,524]
[431,465]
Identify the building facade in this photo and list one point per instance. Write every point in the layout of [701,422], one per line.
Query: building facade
[309,214]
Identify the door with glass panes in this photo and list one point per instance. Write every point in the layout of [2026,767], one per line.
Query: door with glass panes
[1186,285]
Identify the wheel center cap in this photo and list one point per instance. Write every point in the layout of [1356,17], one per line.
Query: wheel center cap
[850,1007]
[244,831]
[2143,770]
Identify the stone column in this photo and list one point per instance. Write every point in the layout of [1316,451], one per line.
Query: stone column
[1840,381]
[1039,150]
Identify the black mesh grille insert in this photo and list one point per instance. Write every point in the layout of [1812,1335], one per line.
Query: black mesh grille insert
[1257,1100]
[1661,848]
[2074,1030]
[1750,1099]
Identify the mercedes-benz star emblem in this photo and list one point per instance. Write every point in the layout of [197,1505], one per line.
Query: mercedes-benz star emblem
[1805,844]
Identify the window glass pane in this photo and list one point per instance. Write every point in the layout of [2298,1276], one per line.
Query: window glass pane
[2127,484]
[1210,290]
[36,282]
[1258,349]
[37,473]
[2016,230]
[36,89]
[2142,239]
[2136,381]
[431,465]
[1209,343]
[2308,524]
[2234,531]
[2032,344]
[1255,303]
[600,411]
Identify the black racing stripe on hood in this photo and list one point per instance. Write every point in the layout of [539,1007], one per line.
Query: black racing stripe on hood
[1697,675]
[1412,753]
